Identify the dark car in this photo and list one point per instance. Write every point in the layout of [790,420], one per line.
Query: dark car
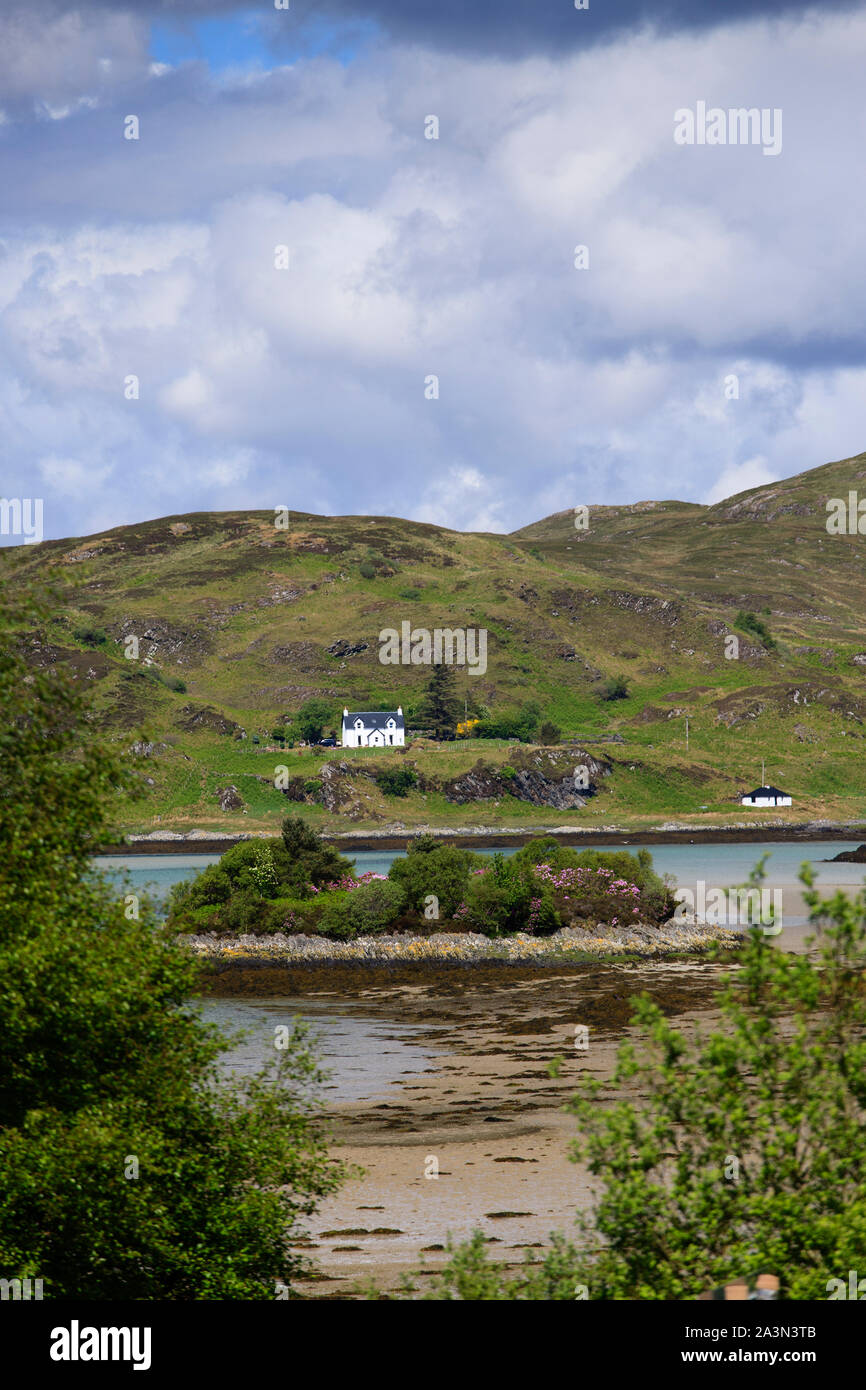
[327,743]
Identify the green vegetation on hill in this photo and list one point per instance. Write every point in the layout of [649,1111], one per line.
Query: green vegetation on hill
[241,627]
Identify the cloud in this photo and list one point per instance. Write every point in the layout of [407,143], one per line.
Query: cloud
[453,257]
[517,27]
[740,477]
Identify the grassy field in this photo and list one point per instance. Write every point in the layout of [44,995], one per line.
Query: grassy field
[243,615]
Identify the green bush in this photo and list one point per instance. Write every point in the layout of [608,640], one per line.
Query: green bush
[499,900]
[213,885]
[549,733]
[362,911]
[751,623]
[91,636]
[244,912]
[433,868]
[367,570]
[374,906]
[313,717]
[521,724]
[335,924]
[614,688]
[312,861]
[396,781]
[778,1085]
[266,869]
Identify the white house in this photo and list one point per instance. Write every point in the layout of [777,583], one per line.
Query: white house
[765,796]
[374,728]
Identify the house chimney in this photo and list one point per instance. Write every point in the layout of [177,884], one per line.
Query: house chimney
[399,709]
[345,711]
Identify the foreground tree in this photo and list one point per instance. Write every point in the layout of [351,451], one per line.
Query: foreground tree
[738,1152]
[128,1168]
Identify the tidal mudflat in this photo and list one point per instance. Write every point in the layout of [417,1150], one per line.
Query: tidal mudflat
[472,1093]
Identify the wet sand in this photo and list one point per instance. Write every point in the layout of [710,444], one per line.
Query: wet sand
[486,1110]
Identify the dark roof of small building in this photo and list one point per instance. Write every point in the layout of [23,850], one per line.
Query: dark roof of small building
[766,791]
[374,719]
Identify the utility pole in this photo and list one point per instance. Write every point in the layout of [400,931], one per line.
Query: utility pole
[687,733]
[763,776]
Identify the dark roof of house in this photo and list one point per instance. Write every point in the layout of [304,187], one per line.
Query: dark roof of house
[374,719]
[766,791]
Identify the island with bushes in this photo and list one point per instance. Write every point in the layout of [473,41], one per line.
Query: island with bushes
[296,895]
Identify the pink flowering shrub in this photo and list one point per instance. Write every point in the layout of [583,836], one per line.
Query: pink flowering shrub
[347,882]
[585,895]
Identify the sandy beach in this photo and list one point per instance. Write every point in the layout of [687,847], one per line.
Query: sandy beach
[485,1109]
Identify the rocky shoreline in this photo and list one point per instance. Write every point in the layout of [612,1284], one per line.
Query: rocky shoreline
[248,951]
[394,837]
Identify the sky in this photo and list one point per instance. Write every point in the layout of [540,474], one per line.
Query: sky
[285,293]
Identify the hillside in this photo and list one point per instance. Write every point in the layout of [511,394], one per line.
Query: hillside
[254,620]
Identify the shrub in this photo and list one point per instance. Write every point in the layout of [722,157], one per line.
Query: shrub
[581,880]
[433,868]
[335,924]
[245,911]
[396,781]
[213,885]
[367,570]
[549,733]
[751,623]
[410,595]
[104,1051]
[614,688]
[175,683]
[363,911]
[312,861]
[499,898]
[521,724]
[91,636]
[374,906]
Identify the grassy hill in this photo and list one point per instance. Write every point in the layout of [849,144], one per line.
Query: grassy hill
[248,621]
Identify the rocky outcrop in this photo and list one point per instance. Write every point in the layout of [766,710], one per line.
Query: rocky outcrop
[159,638]
[229,799]
[205,717]
[849,856]
[563,781]
[347,793]
[344,648]
[148,750]
[663,610]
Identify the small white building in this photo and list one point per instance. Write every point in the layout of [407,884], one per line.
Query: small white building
[765,796]
[374,728]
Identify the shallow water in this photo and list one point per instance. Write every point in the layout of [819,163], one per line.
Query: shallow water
[364,1056]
